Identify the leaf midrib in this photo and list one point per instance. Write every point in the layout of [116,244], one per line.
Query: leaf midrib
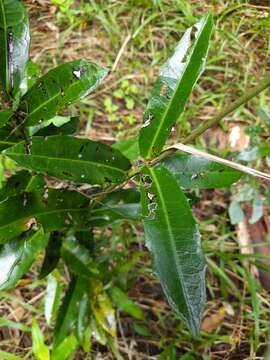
[171,238]
[69,160]
[160,125]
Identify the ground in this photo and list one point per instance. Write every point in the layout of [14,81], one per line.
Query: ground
[132,38]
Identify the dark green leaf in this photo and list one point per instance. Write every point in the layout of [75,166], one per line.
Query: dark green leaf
[17,256]
[82,321]
[69,128]
[59,87]
[68,312]
[14,40]
[173,87]
[7,140]
[5,115]
[53,209]
[53,254]
[77,257]
[20,182]
[196,172]
[70,158]
[117,206]
[173,239]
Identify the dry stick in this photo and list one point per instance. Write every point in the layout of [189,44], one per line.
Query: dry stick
[249,94]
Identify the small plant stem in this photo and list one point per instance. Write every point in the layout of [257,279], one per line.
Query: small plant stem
[249,94]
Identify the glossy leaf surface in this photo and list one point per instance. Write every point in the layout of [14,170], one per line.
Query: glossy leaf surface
[173,239]
[17,256]
[14,39]
[52,255]
[197,172]
[53,209]
[77,257]
[70,158]
[52,298]
[59,87]
[69,310]
[173,87]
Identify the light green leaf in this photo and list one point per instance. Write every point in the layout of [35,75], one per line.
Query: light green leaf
[40,350]
[6,356]
[173,239]
[173,87]
[70,158]
[14,40]
[236,213]
[17,256]
[66,349]
[14,325]
[196,172]
[123,302]
[59,87]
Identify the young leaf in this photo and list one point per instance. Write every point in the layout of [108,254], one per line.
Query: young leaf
[17,256]
[173,87]
[173,239]
[14,40]
[69,310]
[196,172]
[59,87]
[40,350]
[53,209]
[70,158]
[53,254]
[52,298]
[66,349]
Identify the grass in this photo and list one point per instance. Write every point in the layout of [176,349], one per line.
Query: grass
[133,38]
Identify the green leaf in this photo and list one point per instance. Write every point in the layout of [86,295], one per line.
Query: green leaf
[82,320]
[122,301]
[77,257]
[40,350]
[173,87]
[70,127]
[68,312]
[197,172]
[6,356]
[70,158]
[173,239]
[59,87]
[53,254]
[117,206]
[5,115]
[20,182]
[129,148]
[17,256]
[7,140]
[14,325]
[52,298]
[53,209]
[66,349]
[14,40]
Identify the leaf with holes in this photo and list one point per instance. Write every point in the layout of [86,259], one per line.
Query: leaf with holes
[14,40]
[59,87]
[70,158]
[196,172]
[173,239]
[17,256]
[53,209]
[173,87]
